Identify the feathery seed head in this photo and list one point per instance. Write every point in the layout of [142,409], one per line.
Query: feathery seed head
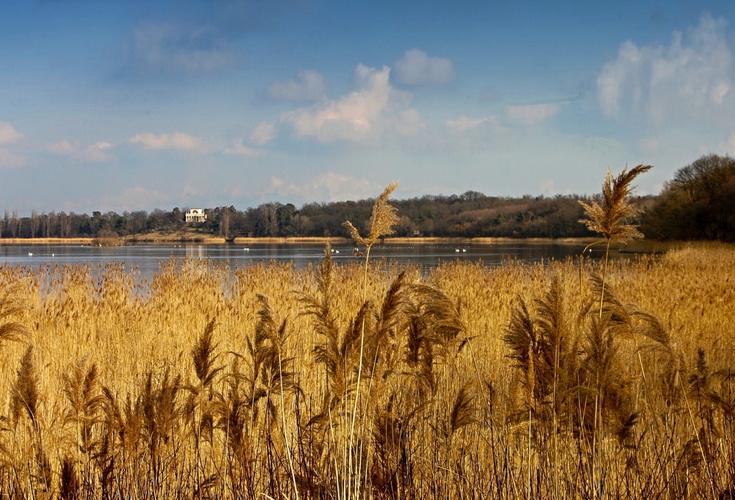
[381,222]
[609,218]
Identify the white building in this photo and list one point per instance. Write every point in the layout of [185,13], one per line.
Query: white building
[196,215]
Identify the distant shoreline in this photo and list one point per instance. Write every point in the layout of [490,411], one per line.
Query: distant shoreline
[291,240]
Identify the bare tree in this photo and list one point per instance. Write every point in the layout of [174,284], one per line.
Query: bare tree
[35,223]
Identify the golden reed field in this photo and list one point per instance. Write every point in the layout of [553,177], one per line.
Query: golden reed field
[574,379]
[476,382]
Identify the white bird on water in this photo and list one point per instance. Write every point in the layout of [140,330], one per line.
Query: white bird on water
[30,254]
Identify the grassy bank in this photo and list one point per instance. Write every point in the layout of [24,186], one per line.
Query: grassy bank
[475,382]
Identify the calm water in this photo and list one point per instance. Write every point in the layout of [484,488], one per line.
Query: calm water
[147,258]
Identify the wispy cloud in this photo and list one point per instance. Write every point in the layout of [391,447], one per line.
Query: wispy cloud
[357,116]
[548,187]
[263,133]
[728,146]
[8,159]
[328,186]
[693,77]
[96,152]
[530,114]
[177,141]
[133,198]
[8,134]
[417,68]
[309,85]
[408,122]
[239,149]
[169,47]
[464,123]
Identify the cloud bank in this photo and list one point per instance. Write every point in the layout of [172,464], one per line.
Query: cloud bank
[692,77]
[358,116]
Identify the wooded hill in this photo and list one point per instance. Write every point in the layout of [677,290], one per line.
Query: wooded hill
[699,203]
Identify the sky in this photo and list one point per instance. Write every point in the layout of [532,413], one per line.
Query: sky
[124,105]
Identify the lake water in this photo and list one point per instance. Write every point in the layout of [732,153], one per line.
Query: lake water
[147,258]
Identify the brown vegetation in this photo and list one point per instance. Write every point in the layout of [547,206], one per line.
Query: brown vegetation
[372,380]
[476,382]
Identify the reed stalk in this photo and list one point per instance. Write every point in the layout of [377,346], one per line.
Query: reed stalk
[380,224]
[611,217]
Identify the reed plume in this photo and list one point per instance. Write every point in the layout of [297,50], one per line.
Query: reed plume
[81,387]
[204,358]
[610,219]
[380,224]
[26,394]
[545,351]
[10,307]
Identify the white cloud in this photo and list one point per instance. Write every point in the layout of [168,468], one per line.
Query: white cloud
[177,140]
[96,152]
[309,85]
[464,123]
[417,68]
[329,186]
[693,77]
[8,134]
[263,133]
[531,114]
[238,148]
[358,116]
[9,159]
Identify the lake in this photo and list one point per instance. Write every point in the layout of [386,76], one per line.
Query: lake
[147,258]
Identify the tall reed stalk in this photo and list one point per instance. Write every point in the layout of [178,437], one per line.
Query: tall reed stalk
[611,217]
[380,224]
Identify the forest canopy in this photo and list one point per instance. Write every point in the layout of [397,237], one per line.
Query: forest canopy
[698,204]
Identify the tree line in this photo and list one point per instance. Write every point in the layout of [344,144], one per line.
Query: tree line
[470,214]
[699,203]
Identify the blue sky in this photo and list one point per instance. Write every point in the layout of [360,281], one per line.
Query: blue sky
[142,104]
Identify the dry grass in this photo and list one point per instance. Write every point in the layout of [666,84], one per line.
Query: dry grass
[476,382]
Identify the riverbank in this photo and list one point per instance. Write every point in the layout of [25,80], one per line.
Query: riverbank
[641,246]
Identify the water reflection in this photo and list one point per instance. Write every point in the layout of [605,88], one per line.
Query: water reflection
[147,258]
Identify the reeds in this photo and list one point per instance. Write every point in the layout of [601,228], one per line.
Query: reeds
[612,217]
[476,382]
